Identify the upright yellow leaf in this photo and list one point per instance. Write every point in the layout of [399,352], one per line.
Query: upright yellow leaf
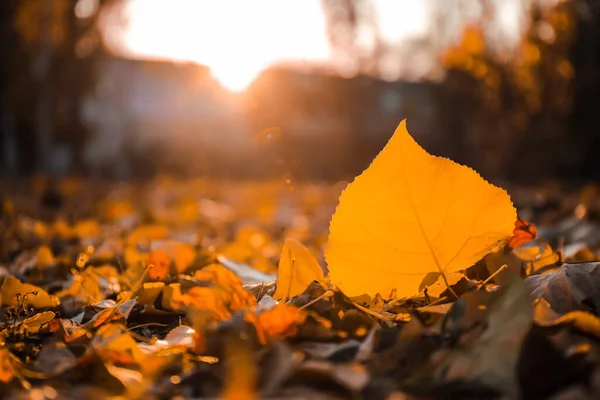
[411,213]
[297,270]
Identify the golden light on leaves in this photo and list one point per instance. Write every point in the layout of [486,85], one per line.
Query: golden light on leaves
[298,268]
[409,214]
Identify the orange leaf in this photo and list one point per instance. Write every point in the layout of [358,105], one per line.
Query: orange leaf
[6,367]
[239,297]
[161,262]
[240,370]
[277,323]
[523,232]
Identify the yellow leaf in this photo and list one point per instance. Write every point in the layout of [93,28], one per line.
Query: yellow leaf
[44,256]
[409,214]
[87,228]
[147,232]
[297,270]
[15,293]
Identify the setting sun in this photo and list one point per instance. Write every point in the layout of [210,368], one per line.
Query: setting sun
[235,39]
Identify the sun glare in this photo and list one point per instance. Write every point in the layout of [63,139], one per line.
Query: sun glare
[235,39]
[238,39]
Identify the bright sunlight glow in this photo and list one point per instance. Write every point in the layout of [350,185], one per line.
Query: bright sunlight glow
[235,39]
[238,39]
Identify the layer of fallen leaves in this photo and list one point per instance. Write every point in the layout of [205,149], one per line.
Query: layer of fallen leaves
[205,289]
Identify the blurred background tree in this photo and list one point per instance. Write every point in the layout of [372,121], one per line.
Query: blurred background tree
[50,65]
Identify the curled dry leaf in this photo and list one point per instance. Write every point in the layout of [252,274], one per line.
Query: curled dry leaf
[298,268]
[543,315]
[409,214]
[523,232]
[35,323]
[536,256]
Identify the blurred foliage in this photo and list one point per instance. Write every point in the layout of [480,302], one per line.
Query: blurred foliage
[507,97]
[52,57]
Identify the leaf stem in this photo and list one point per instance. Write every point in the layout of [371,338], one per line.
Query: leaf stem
[438,301]
[371,312]
[313,301]
[492,276]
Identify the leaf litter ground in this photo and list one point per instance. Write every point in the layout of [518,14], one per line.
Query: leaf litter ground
[84,317]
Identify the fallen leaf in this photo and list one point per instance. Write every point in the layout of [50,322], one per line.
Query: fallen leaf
[239,298]
[92,285]
[490,338]
[161,264]
[247,274]
[569,288]
[55,359]
[277,323]
[298,268]
[410,214]
[439,286]
[15,293]
[182,254]
[6,366]
[147,232]
[543,315]
[240,371]
[44,257]
[352,376]
[523,232]
[537,256]
[35,324]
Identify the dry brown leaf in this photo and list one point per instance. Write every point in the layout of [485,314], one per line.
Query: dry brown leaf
[410,214]
[489,348]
